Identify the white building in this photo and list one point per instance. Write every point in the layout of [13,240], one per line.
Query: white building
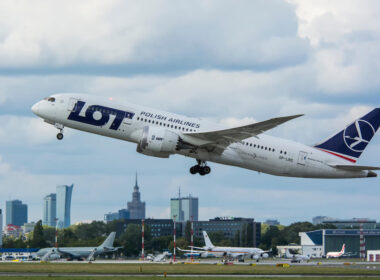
[373,256]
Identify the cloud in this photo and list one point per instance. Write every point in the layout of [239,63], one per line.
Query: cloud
[149,36]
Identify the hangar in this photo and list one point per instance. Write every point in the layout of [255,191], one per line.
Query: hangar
[318,242]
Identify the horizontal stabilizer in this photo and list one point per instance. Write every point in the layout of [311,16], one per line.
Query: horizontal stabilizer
[356,167]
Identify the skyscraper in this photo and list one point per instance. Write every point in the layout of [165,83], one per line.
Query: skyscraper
[136,207]
[50,210]
[63,205]
[16,213]
[184,208]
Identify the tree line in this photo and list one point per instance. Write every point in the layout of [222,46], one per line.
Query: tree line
[94,234]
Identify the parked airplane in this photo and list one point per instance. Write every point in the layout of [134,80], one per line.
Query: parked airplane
[79,253]
[336,254]
[239,253]
[161,134]
[296,257]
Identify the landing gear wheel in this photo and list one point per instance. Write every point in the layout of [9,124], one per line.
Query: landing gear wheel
[206,169]
[60,136]
[202,171]
[200,168]
[194,169]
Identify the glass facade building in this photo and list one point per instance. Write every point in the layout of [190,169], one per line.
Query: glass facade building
[16,213]
[63,205]
[50,210]
[184,208]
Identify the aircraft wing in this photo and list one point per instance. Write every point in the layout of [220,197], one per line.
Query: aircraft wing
[191,251]
[225,137]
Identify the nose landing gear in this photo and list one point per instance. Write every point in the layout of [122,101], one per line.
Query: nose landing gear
[60,127]
[200,168]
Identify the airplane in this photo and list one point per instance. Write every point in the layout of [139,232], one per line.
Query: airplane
[161,134]
[239,253]
[79,253]
[336,254]
[296,257]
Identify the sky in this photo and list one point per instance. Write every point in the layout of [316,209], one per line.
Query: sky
[232,62]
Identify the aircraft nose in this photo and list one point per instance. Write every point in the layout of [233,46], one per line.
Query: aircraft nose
[35,108]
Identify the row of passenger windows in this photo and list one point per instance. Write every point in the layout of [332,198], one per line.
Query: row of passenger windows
[262,147]
[165,124]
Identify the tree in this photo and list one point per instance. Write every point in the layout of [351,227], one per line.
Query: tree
[38,240]
[188,231]
[131,239]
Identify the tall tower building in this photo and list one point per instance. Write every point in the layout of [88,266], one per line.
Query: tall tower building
[16,212]
[50,210]
[184,208]
[63,205]
[136,207]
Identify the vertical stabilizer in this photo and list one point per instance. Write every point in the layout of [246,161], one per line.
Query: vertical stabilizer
[207,240]
[350,142]
[108,243]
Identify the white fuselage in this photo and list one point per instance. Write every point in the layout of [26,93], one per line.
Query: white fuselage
[263,153]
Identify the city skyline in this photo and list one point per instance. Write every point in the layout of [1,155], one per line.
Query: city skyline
[315,58]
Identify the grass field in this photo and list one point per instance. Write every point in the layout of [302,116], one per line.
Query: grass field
[160,269]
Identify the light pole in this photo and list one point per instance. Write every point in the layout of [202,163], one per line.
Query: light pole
[174,236]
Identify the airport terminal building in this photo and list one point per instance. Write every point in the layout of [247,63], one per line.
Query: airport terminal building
[318,243]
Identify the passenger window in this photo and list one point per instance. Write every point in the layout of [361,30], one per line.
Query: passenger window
[137,118]
[280,152]
[250,144]
[145,120]
[160,123]
[175,127]
[284,153]
[172,126]
[149,121]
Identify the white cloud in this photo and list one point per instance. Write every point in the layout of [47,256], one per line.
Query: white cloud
[149,34]
[24,131]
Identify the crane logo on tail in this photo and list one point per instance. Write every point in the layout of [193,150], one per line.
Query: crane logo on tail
[357,135]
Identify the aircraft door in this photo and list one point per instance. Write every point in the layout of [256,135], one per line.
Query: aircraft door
[129,114]
[72,104]
[302,158]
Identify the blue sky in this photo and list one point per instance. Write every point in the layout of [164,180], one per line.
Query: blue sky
[228,61]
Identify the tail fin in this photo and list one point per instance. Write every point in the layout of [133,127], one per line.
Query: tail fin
[350,142]
[109,240]
[343,248]
[207,240]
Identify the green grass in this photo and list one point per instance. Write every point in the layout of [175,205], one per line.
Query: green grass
[110,268]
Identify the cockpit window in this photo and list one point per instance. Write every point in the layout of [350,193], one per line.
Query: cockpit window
[50,99]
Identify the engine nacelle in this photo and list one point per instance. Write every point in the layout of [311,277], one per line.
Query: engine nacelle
[157,142]
[265,255]
[255,257]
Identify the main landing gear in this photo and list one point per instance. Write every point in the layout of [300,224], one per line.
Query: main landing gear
[60,127]
[200,168]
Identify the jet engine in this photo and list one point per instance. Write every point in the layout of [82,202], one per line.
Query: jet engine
[265,255]
[158,142]
[255,257]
